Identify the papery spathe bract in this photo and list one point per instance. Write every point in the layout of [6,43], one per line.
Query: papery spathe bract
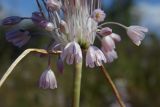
[72,52]
[136,34]
[60,65]
[37,17]
[48,80]
[94,56]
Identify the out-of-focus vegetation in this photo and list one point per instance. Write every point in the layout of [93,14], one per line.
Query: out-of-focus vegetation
[138,66]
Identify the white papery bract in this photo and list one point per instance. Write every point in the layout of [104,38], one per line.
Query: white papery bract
[136,34]
[72,52]
[94,56]
[48,80]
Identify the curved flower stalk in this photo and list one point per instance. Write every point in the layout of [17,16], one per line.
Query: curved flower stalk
[74,25]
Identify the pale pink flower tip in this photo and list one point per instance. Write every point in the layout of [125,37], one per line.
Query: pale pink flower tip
[98,15]
[105,31]
[94,56]
[72,52]
[115,37]
[48,80]
[136,34]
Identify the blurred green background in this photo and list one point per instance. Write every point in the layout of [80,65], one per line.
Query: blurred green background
[136,72]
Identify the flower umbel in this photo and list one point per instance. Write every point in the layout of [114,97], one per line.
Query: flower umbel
[73,26]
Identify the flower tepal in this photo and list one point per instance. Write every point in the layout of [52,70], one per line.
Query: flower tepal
[94,56]
[72,52]
[136,33]
[48,80]
[18,37]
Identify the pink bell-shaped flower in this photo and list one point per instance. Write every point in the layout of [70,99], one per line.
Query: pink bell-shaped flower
[94,56]
[136,34]
[71,52]
[48,80]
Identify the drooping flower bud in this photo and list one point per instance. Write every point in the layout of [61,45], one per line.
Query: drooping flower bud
[98,15]
[46,25]
[37,17]
[12,20]
[39,20]
[60,65]
[54,4]
[18,37]
[48,80]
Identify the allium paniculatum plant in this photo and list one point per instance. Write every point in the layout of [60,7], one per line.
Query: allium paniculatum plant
[74,25]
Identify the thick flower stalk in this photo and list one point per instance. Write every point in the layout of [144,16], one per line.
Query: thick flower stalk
[74,26]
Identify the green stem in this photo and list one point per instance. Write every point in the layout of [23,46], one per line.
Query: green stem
[77,84]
